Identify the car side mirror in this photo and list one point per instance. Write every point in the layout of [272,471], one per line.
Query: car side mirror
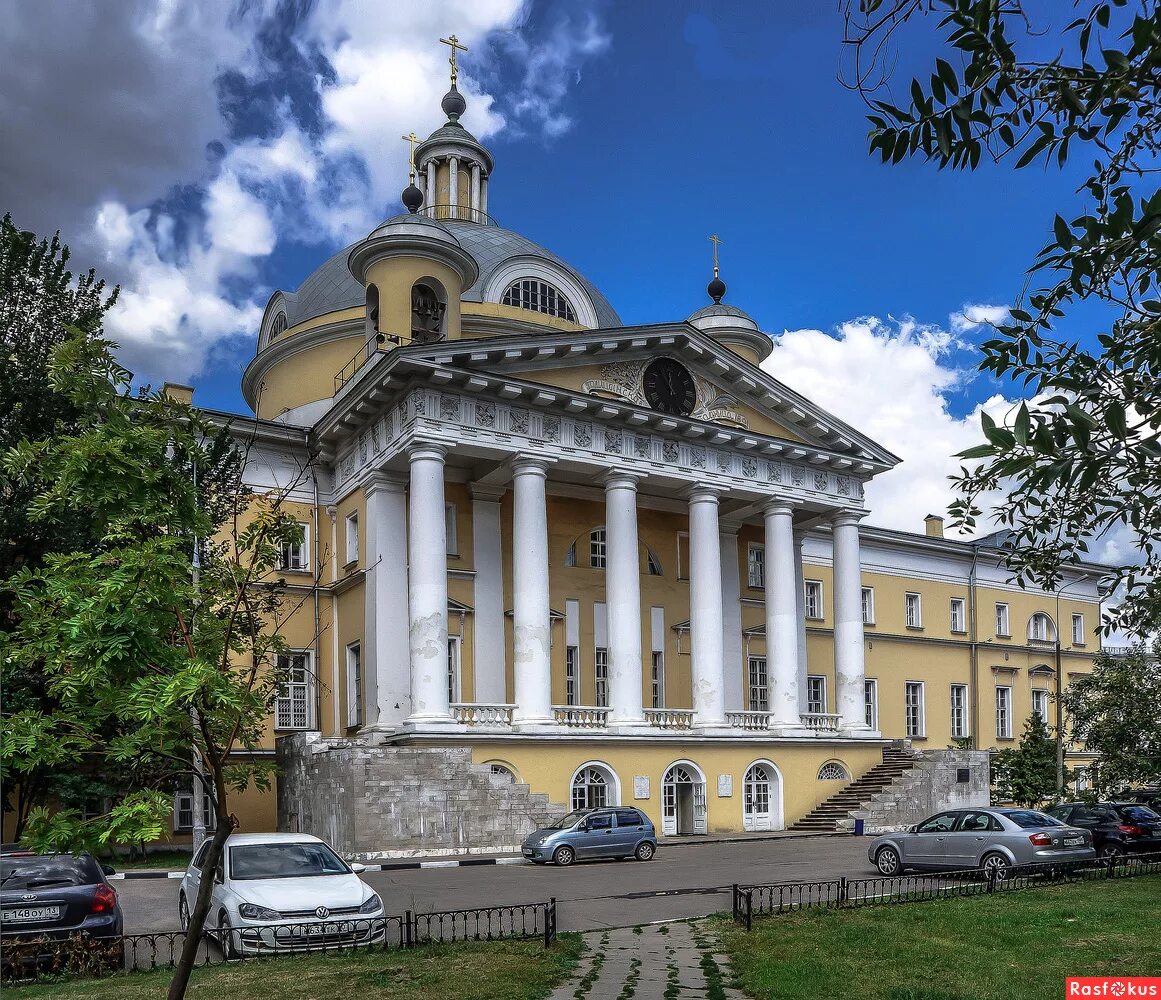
[358,869]
[108,870]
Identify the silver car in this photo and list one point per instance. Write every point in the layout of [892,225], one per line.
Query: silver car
[615,832]
[992,840]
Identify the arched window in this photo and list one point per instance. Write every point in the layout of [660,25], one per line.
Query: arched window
[538,296]
[1040,628]
[503,771]
[832,770]
[428,307]
[653,562]
[593,787]
[372,311]
[278,327]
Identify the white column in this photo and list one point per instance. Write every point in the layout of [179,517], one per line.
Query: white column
[781,618]
[488,600]
[848,621]
[427,586]
[484,194]
[453,190]
[475,187]
[386,652]
[429,196]
[531,625]
[623,597]
[800,617]
[732,693]
[705,609]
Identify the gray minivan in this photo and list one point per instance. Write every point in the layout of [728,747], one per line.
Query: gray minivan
[615,832]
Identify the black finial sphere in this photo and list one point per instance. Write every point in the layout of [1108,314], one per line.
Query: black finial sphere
[453,104]
[412,198]
[716,289]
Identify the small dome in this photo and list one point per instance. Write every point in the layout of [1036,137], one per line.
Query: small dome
[413,225]
[722,317]
[453,104]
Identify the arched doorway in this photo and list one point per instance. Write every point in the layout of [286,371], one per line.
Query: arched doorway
[762,797]
[683,808]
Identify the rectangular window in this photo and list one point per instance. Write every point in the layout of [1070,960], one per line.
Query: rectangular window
[914,713]
[959,710]
[756,564]
[352,538]
[571,675]
[296,557]
[354,686]
[812,598]
[602,677]
[453,668]
[658,679]
[1003,713]
[816,695]
[1040,704]
[294,706]
[958,614]
[914,611]
[871,702]
[868,605]
[1002,630]
[183,815]
[759,687]
[597,549]
[1078,630]
[449,527]
[683,555]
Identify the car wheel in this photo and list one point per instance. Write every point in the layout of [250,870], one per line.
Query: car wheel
[564,856]
[183,912]
[645,851]
[1112,852]
[887,861]
[995,866]
[226,937]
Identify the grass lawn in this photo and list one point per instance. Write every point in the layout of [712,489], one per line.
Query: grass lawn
[1022,944]
[508,970]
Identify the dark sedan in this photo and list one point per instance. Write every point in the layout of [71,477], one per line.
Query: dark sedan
[58,910]
[1117,828]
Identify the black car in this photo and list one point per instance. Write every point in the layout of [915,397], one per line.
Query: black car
[57,911]
[1118,828]
[1150,797]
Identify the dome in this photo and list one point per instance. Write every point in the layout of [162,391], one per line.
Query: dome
[718,316]
[412,224]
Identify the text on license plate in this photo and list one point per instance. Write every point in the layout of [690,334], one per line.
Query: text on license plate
[308,930]
[32,913]
[1073,841]
[527,852]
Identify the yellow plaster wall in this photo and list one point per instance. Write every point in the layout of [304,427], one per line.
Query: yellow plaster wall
[305,377]
[395,276]
[497,311]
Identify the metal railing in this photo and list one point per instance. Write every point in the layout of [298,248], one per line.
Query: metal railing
[454,213]
[472,714]
[669,718]
[750,901]
[581,716]
[37,958]
[370,348]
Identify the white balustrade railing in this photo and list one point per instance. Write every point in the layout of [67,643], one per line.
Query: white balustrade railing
[669,718]
[482,714]
[755,721]
[820,722]
[581,716]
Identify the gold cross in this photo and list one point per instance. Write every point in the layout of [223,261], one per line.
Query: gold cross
[455,44]
[412,138]
[715,241]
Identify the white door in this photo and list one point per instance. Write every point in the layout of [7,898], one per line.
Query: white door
[758,799]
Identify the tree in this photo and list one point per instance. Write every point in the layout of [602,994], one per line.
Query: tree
[1083,455]
[1026,774]
[150,665]
[1115,713]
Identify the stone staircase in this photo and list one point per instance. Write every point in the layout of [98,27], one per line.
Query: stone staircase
[897,761]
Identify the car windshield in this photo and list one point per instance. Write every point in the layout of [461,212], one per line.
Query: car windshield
[254,861]
[568,821]
[44,873]
[1029,819]
[1138,814]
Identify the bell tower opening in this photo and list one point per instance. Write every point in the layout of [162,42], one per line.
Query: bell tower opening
[428,311]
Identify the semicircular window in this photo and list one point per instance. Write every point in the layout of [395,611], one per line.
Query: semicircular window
[538,296]
[278,327]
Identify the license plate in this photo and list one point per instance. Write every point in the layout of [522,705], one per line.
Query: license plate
[1073,841]
[30,913]
[527,853]
[310,930]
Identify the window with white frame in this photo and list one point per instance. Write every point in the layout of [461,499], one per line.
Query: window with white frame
[1003,631]
[1003,713]
[1078,630]
[449,527]
[759,685]
[871,702]
[868,605]
[816,695]
[597,548]
[354,686]
[571,675]
[812,598]
[959,711]
[453,668]
[914,611]
[958,614]
[683,555]
[602,672]
[1040,628]
[658,679]
[352,537]
[296,555]
[913,708]
[183,812]
[294,706]
[756,565]
[593,788]
[1040,703]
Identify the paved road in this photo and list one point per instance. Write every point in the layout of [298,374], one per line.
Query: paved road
[684,881]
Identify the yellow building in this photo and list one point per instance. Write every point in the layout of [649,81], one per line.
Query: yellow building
[610,563]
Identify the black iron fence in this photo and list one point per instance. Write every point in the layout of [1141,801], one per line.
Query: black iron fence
[782,897]
[28,959]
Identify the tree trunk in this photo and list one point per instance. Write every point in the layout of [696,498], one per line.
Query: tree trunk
[200,910]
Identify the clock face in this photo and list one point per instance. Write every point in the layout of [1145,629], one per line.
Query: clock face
[669,387]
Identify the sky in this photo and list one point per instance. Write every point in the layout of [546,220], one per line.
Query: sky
[204,155]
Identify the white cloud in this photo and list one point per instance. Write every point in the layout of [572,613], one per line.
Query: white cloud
[972,316]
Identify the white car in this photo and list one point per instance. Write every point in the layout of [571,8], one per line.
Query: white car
[279,892]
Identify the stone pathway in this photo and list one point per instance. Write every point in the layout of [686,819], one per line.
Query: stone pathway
[678,961]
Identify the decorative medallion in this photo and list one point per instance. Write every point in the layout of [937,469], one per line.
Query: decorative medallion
[613,442]
[582,435]
[419,403]
[551,428]
[798,475]
[773,472]
[449,408]
[363,448]
[518,420]
[821,480]
[749,467]
[485,414]
[669,451]
[844,486]
[669,387]
[640,446]
[697,458]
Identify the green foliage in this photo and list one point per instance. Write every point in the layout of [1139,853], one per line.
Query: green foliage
[1026,774]
[1114,711]
[1083,456]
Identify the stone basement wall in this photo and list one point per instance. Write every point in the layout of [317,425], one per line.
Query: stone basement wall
[931,786]
[371,802]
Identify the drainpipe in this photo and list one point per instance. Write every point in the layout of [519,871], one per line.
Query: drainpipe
[974,650]
[315,555]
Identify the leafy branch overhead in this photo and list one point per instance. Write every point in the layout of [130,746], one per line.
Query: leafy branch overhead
[1022,87]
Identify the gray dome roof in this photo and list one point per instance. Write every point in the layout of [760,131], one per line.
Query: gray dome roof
[718,315]
[412,225]
[332,286]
